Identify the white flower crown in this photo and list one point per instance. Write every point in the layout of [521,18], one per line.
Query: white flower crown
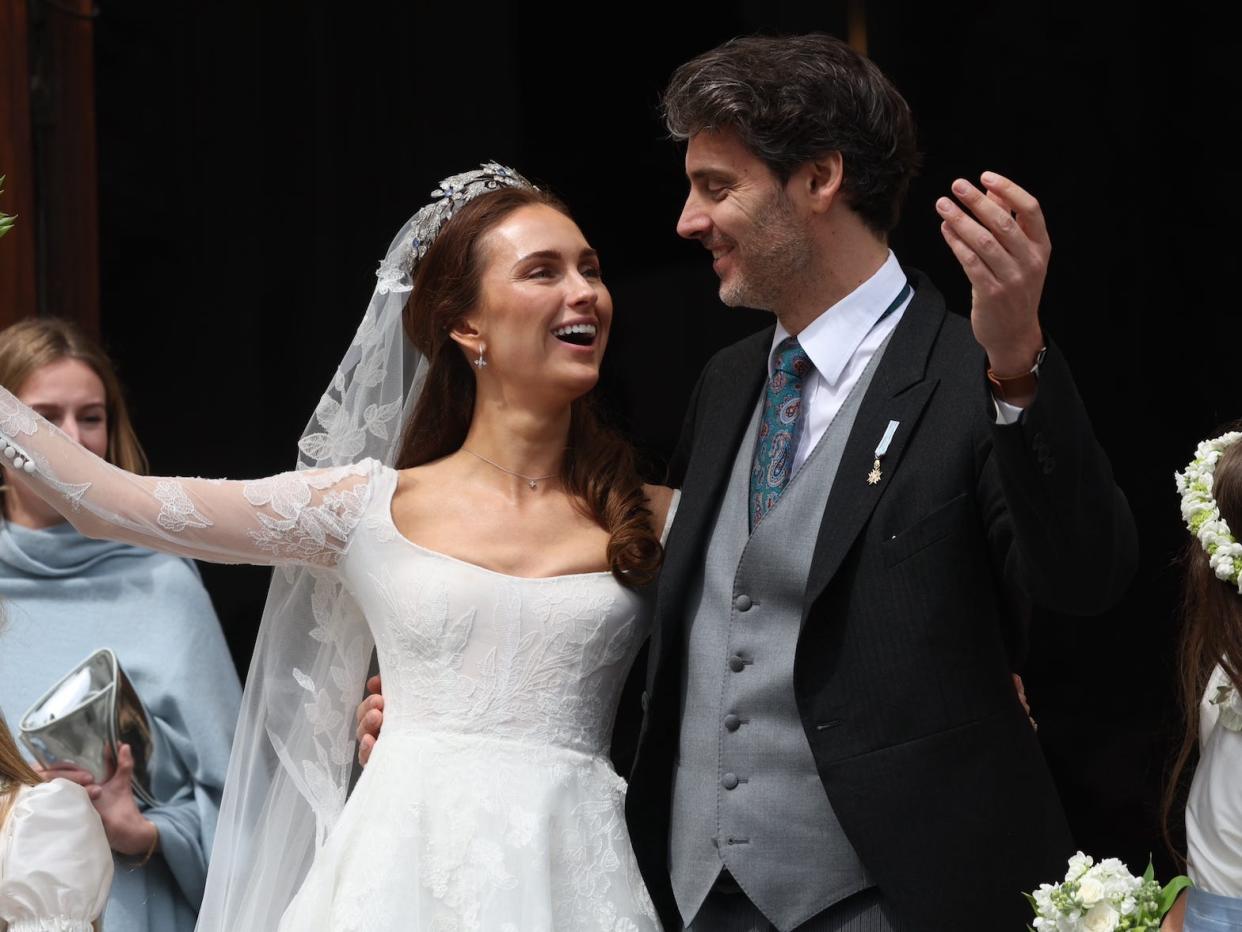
[1201,514]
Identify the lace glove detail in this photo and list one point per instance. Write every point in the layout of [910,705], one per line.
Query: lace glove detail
[304,517]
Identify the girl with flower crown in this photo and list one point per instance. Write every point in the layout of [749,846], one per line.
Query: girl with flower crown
[1211,673]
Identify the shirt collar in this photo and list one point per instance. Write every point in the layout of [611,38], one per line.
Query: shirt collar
[832,338]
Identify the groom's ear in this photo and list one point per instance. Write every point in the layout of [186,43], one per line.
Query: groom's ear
[820,181]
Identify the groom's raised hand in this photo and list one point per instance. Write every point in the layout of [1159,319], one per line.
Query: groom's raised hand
[370,716]
[1002,244]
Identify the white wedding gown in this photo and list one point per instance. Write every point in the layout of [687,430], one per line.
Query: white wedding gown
[489,802]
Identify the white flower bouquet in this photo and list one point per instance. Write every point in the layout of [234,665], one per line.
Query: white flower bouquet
[1103,897]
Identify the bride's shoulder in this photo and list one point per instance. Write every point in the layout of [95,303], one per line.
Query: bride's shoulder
[417,479]
[420,489]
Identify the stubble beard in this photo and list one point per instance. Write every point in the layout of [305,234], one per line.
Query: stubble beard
[774,257]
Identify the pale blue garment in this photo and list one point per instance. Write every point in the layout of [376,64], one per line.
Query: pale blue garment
[1209,912]
[66,595]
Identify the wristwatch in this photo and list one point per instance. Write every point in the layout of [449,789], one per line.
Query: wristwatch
[1017,386]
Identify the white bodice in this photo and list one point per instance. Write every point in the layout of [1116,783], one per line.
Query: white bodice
[464,649]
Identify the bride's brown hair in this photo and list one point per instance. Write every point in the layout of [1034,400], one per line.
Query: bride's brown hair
[1211,626]
[599,471]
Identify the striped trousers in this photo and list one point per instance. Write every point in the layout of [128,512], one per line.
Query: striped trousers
[728,909]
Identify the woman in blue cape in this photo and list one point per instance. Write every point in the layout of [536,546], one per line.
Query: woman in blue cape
[66,595]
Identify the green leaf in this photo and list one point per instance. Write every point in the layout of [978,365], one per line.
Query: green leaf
[6,222]
[1150,873]
[1171,890]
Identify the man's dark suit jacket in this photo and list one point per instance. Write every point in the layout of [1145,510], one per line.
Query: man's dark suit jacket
[901,674]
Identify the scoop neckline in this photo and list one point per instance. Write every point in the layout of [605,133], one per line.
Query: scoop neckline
[476,566]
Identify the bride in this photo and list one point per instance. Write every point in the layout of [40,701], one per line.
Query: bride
[493,551]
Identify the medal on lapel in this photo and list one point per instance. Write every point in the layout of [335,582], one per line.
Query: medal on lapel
[874,477]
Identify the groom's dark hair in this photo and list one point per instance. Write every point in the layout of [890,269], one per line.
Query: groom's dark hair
[792,99]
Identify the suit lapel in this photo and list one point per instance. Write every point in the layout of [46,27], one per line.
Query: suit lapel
[727,405]
[898,392]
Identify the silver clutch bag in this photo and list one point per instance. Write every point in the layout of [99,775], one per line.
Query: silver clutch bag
[85,718]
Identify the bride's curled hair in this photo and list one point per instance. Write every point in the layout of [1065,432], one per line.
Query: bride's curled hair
[599,472]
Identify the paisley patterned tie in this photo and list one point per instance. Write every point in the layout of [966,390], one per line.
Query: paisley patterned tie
[780,428]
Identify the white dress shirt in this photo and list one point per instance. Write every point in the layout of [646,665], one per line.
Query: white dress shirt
[841,341]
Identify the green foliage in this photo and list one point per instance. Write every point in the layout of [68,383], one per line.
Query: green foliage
[1170,893]
[6,222]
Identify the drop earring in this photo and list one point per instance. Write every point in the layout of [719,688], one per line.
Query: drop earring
[481,362]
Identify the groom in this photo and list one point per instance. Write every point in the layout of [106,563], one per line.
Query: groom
[831,738]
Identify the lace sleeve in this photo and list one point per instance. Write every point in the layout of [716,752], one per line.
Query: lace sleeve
[304,517]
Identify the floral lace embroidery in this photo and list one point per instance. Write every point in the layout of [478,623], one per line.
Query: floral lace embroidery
[534,683]
[381,526]
[177,511]
[299,531]
[16,418]
[1230,706]
[339,624]
[342,438]
[73,492]
[474,840]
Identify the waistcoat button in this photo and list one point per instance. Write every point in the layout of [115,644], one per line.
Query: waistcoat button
[742,603]
[732,722]
[736,664]
[729,781]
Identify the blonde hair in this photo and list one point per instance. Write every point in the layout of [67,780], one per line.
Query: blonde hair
[13,767]
[31,344]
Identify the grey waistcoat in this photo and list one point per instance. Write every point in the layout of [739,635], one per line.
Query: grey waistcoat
[746,793]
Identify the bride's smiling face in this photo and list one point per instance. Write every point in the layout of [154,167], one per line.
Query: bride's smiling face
[543,310]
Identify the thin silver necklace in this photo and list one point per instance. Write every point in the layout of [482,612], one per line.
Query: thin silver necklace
[530,480]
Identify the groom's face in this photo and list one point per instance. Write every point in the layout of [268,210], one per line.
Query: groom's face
[739,210]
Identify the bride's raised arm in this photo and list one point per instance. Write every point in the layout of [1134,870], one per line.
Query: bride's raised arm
[302,517]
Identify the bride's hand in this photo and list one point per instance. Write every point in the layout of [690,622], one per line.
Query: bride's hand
[370,717]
